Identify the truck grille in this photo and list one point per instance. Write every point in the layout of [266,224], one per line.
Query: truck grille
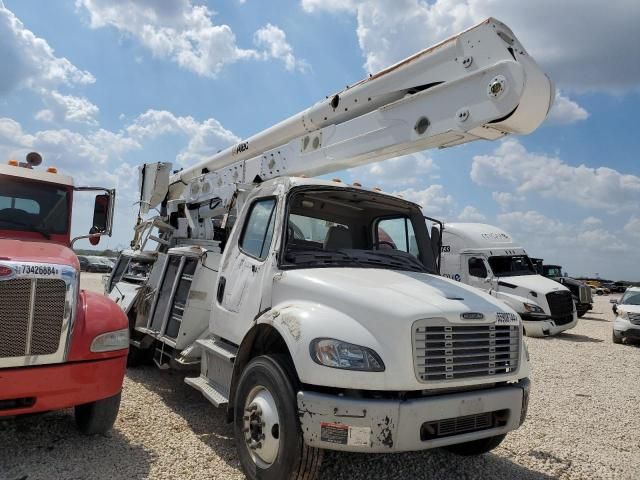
[585,294]
[459,425]
[634,318]
[448,352]
[561,306]
[31,329]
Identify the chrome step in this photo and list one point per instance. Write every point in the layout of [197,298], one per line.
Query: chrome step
[211,391]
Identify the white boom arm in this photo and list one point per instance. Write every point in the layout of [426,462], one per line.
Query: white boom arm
[479,84]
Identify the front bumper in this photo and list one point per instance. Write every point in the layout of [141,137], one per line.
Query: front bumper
[372,425]
[547,327]
[54,387]
[625,329]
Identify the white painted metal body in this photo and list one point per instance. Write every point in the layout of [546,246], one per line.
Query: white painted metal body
[465,241]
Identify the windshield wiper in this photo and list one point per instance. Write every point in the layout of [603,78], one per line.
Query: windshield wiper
[29,226]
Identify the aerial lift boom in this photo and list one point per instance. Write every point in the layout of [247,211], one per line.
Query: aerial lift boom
[479,84]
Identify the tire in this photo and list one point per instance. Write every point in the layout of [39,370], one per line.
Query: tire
[138,357]
[97,417]
[476,447]
[617,339]
[264,376]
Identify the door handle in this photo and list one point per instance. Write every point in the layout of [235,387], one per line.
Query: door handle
[220,293]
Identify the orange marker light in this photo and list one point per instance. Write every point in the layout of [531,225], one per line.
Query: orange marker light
[13,162]
[52,170]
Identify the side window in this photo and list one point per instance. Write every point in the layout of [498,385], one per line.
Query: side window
[258,229]
[397,233]
[477,268]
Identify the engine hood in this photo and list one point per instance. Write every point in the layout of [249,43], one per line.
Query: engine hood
[526,283]
[394,294]
[39,252]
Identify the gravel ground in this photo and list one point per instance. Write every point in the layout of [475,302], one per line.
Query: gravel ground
[582,423]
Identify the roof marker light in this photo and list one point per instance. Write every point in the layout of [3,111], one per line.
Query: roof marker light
[13,162]
[52,170]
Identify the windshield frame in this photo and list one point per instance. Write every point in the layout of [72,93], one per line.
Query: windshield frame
[62,235]
[354,262]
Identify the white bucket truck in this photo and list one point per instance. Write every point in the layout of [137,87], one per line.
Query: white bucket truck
[486,257]
[311,327]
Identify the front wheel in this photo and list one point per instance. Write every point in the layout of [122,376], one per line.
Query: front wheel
[97,417]
[266,426]
[615,338]
[476,447]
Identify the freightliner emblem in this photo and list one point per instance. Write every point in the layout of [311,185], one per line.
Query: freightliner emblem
[6,272]
[472,316]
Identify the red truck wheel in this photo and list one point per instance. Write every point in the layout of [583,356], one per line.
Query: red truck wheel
[97,417]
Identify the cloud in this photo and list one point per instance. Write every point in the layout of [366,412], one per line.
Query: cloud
[580,55]
[566,111]
[274,42]
[396,172]
[633,226]
[471,214]
[506,200]
[433,200]
[186,33]
[204,138]
[601,188]
[68,108]
[28,61]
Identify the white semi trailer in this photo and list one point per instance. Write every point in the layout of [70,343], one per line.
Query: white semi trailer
[486,257]
[311,327]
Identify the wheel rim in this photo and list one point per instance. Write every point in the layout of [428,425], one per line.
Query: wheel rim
[261,426]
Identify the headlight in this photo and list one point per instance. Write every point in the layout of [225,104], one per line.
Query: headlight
[532,308]
[338,354]
[623,314]
[110,341]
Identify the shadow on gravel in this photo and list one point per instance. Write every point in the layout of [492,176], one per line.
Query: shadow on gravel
[206,421]
[429,464]
[594,319]
[574,337]
[48,446]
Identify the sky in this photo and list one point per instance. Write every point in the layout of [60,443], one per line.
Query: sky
[99,87]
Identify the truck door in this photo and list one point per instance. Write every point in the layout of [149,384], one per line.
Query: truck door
[476,271]
[245,266]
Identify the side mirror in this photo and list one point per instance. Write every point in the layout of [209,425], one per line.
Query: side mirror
[100,214]
[613,300]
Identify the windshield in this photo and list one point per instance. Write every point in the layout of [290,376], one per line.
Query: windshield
[552,271]
[631,298]
[511,265]
[33,206]
[347,228]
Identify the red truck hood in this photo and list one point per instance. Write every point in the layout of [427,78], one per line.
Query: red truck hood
[41,252]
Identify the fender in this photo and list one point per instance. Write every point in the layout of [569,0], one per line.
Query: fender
[95,314]
[514,301]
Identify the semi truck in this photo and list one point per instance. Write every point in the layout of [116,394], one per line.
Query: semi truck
[487,258]
[580,291]
[314,309]
[60,346]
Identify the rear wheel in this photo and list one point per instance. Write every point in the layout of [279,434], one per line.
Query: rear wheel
[266,426]
[97,417]
[476,447]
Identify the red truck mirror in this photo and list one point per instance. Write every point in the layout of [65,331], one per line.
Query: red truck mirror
[100,218]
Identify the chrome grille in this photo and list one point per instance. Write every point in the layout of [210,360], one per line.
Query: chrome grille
[449,352]
[26,328]
[15,298]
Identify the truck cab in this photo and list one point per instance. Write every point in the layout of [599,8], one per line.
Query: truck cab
[320,322]
[487,258]
[60,346]
[581,292]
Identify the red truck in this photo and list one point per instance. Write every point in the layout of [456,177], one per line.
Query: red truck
[60,346]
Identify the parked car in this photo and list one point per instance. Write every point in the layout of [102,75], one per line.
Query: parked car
[84,262]
[627,310]
[597,290]
[98,265]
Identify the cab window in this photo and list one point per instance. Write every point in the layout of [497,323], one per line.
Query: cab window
[396,233]
[258,229]
[477,268]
